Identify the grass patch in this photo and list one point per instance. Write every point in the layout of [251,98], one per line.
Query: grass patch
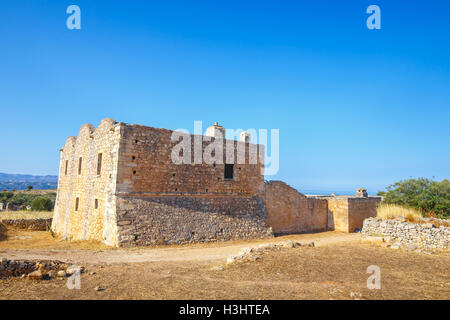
[26,215]
[390,211]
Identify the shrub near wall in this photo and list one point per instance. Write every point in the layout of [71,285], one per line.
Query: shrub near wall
[428,196]
[409,235]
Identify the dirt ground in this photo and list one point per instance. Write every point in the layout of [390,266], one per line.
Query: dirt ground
[335,268]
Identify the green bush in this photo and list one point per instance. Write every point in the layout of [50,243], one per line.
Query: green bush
[42,204]
[431,197]
[5,196]
[23,198]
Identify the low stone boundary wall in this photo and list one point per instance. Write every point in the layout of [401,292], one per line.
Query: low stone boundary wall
[180,220]
[2,231]
[409,235]
[30,224]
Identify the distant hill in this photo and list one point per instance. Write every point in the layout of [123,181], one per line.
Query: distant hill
[21,181]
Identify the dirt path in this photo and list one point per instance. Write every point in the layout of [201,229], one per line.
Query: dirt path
[199,252]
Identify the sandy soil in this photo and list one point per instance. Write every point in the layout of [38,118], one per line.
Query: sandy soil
[36,245]
[334,269]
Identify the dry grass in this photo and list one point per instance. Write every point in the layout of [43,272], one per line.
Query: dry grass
[27,239]
[25,215]
[328,272]
[390,211]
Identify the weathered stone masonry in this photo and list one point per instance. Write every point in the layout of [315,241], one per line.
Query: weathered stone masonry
[409,235]
[30,224]
[85,201]
[289,211]
[347,213]
[168,220]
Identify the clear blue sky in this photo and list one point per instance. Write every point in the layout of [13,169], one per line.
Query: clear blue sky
[355,107]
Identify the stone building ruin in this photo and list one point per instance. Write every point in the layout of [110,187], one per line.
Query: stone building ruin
[118,184]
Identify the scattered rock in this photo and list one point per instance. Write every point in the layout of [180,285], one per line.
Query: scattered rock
[217,268]
[411,247]
[288,244]
[373,239]
[355,295]
[253,254]
[35,275]
[99,288]
[396,245]
[61,273]
[231,259]
[73,269]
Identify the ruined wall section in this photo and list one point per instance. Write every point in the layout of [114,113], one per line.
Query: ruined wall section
[347,214]
[289,211]
[361,209]
[338,214]
[94,218]
[146,168]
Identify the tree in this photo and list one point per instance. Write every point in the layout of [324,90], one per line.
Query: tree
[42,204]
[29,188]
[429,196]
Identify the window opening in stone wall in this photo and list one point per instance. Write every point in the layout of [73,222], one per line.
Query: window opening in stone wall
[65,169]
[99,164]
[80,162]
[96,204]
[77,202]
[228,171]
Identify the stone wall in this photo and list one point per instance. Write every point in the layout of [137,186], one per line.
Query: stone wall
[178,220]
[361,208]
[338,214]
[30,224]
[408,235]
[3,231]
[146,167]
[289,211]
[95,216]
[346,214]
